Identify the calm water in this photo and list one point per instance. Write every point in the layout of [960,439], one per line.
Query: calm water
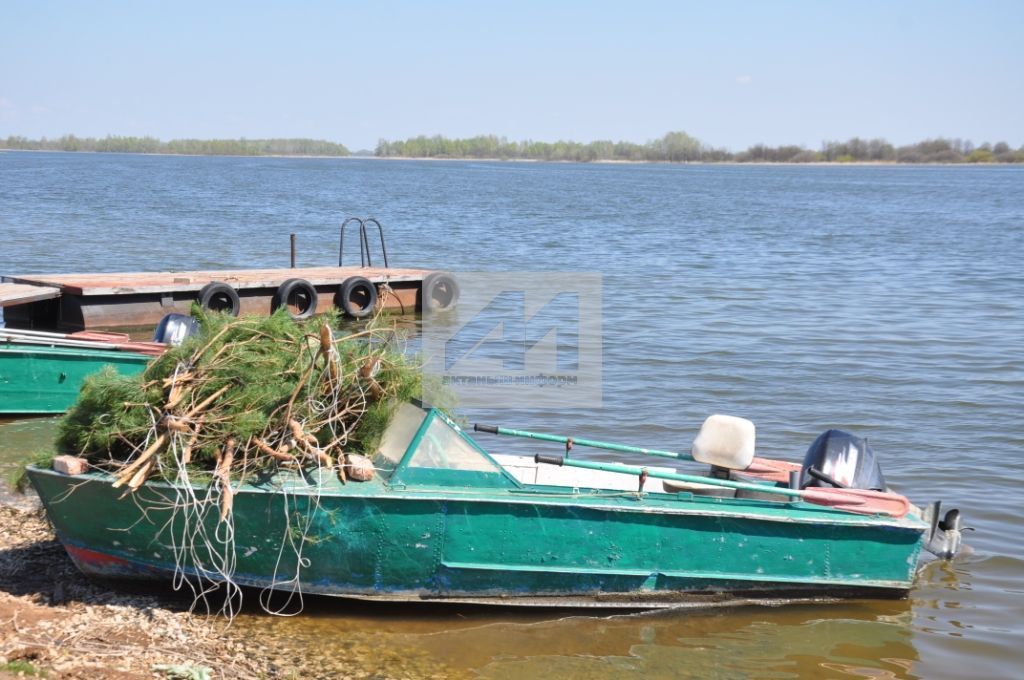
[887,301]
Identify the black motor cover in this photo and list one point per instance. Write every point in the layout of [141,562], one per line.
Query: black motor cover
[845,458]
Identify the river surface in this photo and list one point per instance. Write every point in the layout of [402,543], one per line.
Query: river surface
[888,301]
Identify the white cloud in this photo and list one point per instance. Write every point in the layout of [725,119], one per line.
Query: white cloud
[6,103]
[744,80]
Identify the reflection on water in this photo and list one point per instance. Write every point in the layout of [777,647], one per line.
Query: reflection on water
[853,639]
[968,615]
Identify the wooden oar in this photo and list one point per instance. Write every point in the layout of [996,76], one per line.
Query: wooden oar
[24,332]
[87,341]
[94,336]
[57,342]
[858,501]
[572,441]
[766,468]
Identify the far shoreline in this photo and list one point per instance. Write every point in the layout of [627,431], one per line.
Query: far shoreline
[532,160]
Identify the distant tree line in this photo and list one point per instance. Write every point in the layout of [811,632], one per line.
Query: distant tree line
[878,150]
[200,147]
[674,147]
[680,147]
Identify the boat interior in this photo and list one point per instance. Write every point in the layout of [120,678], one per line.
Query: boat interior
[426,447]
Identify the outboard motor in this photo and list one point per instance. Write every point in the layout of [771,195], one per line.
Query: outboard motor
[945,535]
[174,328]
[839,459]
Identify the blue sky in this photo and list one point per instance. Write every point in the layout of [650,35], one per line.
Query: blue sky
[729,73]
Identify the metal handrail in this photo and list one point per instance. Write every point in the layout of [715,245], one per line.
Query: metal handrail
[364,247]
[365,258]
[380,232]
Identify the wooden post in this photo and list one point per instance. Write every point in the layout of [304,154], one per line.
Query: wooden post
[293,251]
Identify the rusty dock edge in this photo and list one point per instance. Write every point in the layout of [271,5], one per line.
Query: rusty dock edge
[123,300]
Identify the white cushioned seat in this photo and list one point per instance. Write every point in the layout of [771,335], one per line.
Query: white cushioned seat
[725,441]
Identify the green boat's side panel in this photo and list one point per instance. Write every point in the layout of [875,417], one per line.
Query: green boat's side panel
[346,544]
[42,379]
[368,540]
[383,546]
[555,546]
[354,545]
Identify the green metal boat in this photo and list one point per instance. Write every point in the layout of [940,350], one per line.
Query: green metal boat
[444,521]
[41,376]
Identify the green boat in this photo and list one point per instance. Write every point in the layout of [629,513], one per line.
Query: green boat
[42,372]
[442,520]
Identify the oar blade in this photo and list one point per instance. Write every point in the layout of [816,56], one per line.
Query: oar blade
[860,501]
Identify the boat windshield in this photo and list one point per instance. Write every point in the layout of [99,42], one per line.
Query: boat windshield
[441,447]
[405,423]
[440,453]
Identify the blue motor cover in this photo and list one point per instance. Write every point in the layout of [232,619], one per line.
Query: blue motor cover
[845,458]
[174,328]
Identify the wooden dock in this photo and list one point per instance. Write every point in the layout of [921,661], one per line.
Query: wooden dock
[124,300]
[23,293]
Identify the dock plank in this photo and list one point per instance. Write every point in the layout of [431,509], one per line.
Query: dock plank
[22,293]
[187,281]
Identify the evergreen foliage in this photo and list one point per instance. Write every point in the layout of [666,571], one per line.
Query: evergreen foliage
[257,391]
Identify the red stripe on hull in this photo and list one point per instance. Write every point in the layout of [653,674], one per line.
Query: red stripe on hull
[95,559]
[100,564]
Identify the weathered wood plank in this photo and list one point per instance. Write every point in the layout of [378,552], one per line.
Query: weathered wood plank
[20,293]
[190,281]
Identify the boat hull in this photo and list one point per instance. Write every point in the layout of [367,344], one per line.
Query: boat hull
[40,379]
[538,547]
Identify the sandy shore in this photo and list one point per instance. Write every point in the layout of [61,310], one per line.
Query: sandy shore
[55,620]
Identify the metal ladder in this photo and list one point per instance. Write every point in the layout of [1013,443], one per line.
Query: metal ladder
[364,241]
